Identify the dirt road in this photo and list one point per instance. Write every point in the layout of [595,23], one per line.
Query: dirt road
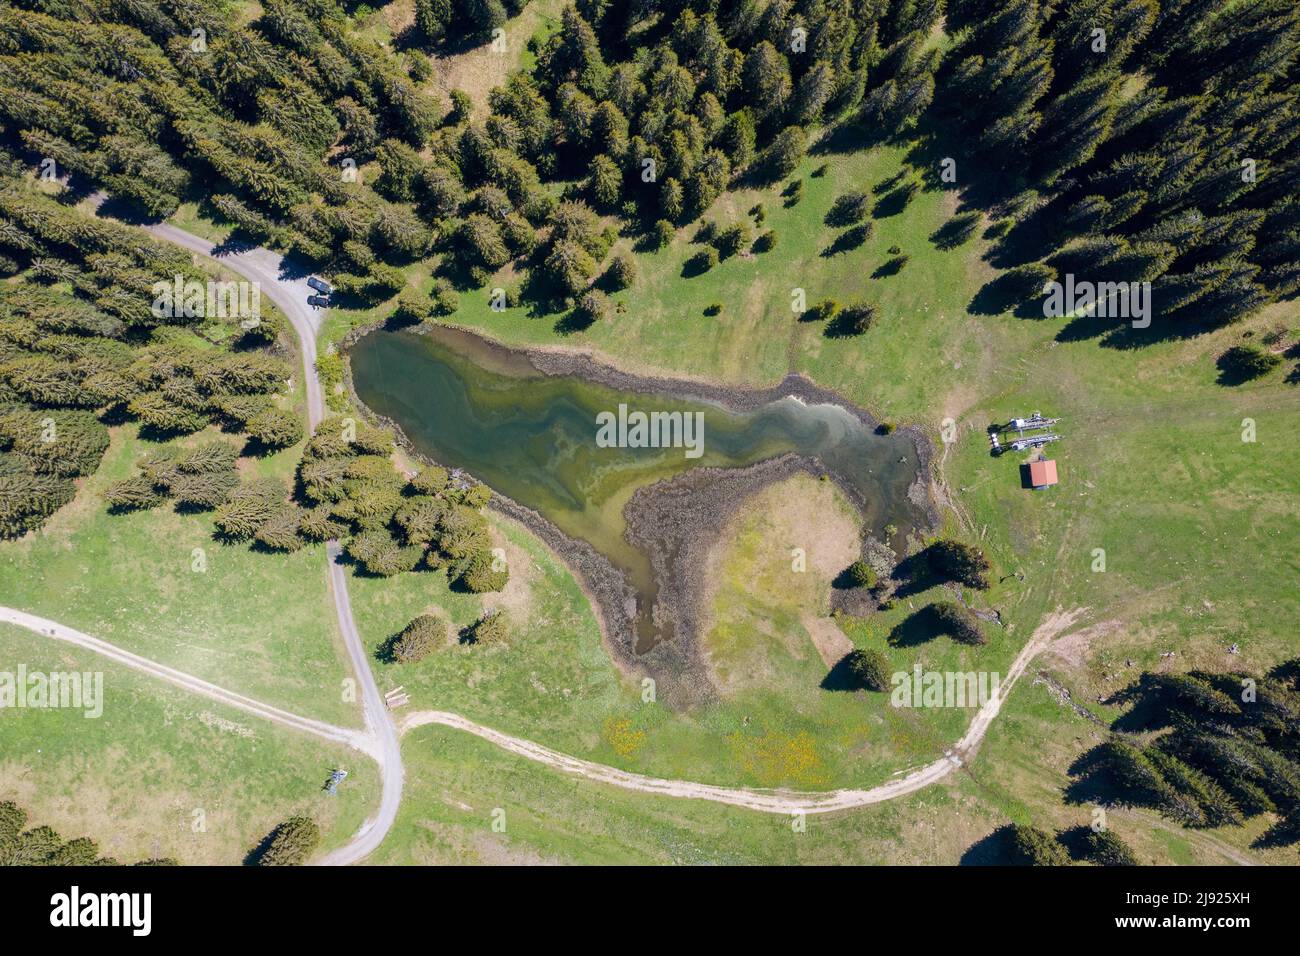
[771,801]
[787,802]
[369,742]
[356,739]
[286,286]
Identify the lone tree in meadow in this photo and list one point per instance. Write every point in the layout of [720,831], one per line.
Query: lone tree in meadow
[869,668]
[732,240]
[418,639]
[701,262]
[853,320]
[849,209]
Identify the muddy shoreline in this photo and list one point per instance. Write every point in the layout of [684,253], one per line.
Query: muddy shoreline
[681,517]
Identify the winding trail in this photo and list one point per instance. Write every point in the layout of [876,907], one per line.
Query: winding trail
[771,801]
[369,742]
[764,801]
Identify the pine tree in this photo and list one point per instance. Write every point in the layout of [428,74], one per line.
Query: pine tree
[291,843]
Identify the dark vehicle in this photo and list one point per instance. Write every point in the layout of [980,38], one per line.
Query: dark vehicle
[318,301]
[320,285]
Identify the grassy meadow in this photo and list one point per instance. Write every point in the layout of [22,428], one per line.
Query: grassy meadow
[163,773]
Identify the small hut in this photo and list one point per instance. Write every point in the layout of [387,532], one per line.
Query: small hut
[1042,474]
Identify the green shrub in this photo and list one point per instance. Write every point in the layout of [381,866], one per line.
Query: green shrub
[869,668]
[621,272]
[593,306]
[418,639]
[861,575]
[443,297]
[489,629]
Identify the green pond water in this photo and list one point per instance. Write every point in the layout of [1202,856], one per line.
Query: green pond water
[534,438]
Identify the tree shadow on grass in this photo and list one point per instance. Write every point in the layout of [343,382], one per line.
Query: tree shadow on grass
[840,678]
[951,235]
[913,575]
[1285,832]
[1288,673]
[1090,780]
[695,266]
[1146,711]
[992,850]
[255,855]
[1231,374]
[848,136]
[846,241]
[575,320]
[1001,295]
[885,185]
[1082,328]
[116,414]
[892,203]
[891,267]
[124,210]
[156,433]
[919,627]
[386,653]
[1025,241]
[844,325]
[1075,842]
